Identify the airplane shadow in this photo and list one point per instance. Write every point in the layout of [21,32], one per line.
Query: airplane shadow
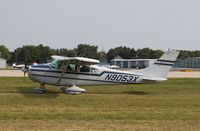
[137,92]
[29,93]
[115,92]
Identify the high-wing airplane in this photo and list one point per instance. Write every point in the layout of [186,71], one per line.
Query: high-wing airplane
[75,71]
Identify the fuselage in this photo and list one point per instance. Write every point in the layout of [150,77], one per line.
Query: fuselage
[90,75]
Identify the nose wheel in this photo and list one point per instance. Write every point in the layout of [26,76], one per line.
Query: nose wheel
[40,90]
[62,88]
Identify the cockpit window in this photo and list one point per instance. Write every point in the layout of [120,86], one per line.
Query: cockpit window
[55,64]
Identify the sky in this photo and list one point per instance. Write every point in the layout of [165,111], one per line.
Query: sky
[157,24]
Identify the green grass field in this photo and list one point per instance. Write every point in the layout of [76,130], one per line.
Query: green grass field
[171,105]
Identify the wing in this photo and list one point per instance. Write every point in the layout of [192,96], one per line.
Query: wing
[153,79]
[82,60]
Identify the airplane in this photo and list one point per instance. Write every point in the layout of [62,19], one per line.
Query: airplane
[77,71]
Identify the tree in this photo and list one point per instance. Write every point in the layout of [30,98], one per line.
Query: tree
[43,53]
[5,53]
[111,54]
[53,52]
[144,53]
[101,55]
[183,54]
[63,52]
[86,50]
[31,53]
[72,53]
[156,54]
[133,53]
[25,54]
[197,53]
[124,52]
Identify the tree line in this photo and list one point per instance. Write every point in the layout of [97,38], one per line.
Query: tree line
[42,54]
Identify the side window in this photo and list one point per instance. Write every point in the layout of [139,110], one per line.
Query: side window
[93,70]
[71,67]
[84,69]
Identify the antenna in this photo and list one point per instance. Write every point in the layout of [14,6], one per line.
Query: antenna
[168,51]
[82,54]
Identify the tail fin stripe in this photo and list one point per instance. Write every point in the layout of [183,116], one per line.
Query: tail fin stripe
[166,61]
[164,64]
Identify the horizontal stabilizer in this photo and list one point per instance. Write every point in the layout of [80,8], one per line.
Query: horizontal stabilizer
[154,79]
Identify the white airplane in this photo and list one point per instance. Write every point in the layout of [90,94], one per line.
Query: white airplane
[75,71]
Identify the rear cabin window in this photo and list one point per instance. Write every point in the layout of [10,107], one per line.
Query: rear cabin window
[88,69]
[93,70]
[72,67]
[84,69]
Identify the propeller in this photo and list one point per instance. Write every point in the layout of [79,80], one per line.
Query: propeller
[25,68]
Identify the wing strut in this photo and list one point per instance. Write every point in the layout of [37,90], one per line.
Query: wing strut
[63,68]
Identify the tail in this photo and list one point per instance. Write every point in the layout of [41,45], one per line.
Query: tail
[162,66]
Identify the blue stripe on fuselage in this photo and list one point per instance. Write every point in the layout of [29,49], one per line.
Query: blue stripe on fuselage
[80,73]
[71,78]
[41,66]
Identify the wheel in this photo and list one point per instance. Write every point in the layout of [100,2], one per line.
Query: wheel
[74,90]
[40,90]
[62,88]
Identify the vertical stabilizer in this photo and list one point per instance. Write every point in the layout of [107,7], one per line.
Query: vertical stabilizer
[162,66]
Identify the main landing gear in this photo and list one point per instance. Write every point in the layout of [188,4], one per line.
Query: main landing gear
[74,90]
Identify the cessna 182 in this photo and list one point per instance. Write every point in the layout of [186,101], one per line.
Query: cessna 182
[75,71]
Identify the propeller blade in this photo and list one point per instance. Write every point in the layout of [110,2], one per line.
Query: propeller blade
[25,70]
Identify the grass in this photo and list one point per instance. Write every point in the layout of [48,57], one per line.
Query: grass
[171,105]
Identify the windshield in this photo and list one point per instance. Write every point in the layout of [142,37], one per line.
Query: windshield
[55,64]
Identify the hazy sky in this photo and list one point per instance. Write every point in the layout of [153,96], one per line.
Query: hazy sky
[158,24]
